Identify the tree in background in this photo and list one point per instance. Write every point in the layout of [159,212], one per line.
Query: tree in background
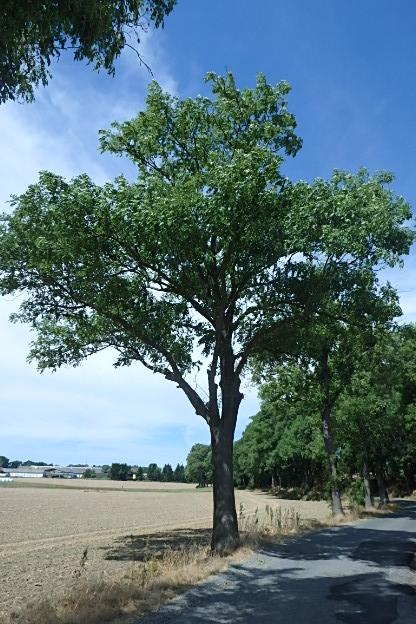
[140,473]
[16,463]
[199,465]
[375,417]
[282,447]
[33,34]
[4,461]
[167,473]
[154,473]
[89,473]
[373,433]
[179,474]
[119,472]
[211,245]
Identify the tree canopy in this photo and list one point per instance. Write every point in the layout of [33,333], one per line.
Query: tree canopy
[210,254]
[199,465]
[373,420]
[32,34]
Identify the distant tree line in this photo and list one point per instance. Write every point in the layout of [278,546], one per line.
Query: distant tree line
[5,462]
[124,472]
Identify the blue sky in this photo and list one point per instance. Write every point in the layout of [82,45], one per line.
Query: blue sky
[352,67]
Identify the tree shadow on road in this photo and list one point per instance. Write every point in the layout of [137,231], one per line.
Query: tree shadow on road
[358,541]
[353,574]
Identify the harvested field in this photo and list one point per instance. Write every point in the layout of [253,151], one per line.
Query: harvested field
[45,528]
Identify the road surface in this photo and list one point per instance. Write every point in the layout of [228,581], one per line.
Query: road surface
[361,573]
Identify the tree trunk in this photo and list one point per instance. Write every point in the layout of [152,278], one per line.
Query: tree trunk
[225,537]
[273,482]
[382,490]
[368,499]
[337,509]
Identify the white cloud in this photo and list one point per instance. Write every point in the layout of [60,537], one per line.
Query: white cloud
[96,410]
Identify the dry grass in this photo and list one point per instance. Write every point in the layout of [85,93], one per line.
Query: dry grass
[141,587]
[148,584]
[275,522]
[269,522]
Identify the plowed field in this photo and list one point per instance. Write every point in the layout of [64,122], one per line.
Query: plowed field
[46,526]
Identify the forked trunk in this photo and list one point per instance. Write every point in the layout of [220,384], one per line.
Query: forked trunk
[225,536]
[368,499]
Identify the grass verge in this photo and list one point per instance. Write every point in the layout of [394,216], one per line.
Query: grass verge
[121,598]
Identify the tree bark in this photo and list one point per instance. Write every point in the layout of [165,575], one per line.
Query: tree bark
[382,490]
[337,509]
[225,536]
[368,499]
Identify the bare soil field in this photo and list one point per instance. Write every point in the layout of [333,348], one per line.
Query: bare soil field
[46,526]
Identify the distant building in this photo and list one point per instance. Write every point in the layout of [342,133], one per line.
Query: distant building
[57,472]
[25,472]
[37,472]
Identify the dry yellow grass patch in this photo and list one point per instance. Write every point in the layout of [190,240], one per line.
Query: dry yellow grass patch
[140,588]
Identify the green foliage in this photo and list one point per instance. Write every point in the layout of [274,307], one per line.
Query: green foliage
[105,468]
[32,34]
[199,465]
[4,461]
[210,247]
[373,392]
[89,473]
[119,472]
[356,492]
[140,474]
[167,473]
[283,442]
[179,474]
[154,473]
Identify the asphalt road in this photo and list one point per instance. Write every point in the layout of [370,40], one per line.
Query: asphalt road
[361,573]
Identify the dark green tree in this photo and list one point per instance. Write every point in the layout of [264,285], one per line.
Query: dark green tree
[154,473]
[33,34]
[282,446]
[119,472]
[179,474]
[211,245]
[16,463]
[167,473]
[4,461]
[89,473]
[140,474]
[199,465]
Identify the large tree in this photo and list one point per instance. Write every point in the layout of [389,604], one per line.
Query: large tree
[208,253]
[34,32]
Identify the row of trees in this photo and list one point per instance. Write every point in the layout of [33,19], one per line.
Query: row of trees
[210,246]
[335,419]
[5,462]
[124,472]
